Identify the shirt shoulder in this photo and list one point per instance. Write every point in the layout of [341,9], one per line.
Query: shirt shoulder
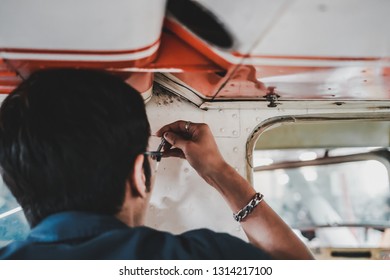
[139,243]
[225,246]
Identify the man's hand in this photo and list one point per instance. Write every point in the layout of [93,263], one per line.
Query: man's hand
[264,228]
[194,142]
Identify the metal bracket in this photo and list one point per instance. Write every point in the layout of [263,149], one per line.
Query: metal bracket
[272,97]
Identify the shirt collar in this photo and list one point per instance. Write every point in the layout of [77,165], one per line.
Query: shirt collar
[73,225]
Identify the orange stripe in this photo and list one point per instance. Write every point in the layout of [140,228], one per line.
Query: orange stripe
[89,52]
[6,73]
[196,43]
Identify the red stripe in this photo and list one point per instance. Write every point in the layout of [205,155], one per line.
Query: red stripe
[36,64]
[89,52]
[6,90]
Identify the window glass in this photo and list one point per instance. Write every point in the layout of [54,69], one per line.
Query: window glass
[353,197]
[13,224]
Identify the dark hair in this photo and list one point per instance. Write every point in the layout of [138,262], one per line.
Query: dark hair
[68,141]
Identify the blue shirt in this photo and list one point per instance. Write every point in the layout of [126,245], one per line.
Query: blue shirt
[80,235]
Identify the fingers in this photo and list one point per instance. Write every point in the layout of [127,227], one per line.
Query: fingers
[195,143]
[174,153]
[178,127]
[177,135]
[169,127]
[175,140]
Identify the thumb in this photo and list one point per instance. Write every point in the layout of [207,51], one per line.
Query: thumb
[175,140]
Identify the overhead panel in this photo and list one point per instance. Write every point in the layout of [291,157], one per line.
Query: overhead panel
[302,49]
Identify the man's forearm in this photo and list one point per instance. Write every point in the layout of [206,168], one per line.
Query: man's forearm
[264,228]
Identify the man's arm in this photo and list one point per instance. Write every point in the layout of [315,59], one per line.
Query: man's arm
[264,228]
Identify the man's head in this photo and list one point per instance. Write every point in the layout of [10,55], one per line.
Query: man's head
[69,140]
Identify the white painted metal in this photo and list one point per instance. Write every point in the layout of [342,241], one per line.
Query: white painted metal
[347,28]
[91,25]
[325,28]
[181,199]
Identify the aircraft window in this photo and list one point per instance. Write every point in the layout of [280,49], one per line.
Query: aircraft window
[335,198]
[13,224]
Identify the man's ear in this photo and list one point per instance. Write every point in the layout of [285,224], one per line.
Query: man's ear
[137,178]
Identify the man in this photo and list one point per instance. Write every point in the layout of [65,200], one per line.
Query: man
[73,151]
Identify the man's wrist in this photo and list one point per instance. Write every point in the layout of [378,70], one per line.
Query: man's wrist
[214,173]
[232,186]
